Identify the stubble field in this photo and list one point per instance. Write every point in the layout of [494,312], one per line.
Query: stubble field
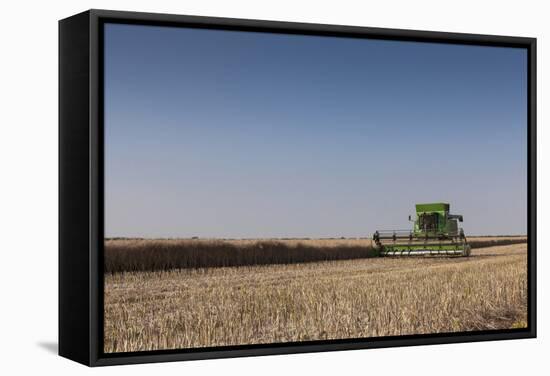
[194,307]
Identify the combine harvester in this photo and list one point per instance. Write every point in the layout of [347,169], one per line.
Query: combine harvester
[435,232]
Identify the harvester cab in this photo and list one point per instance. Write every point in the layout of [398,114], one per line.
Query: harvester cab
[435,232]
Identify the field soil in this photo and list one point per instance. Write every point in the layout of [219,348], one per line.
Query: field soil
[366,297]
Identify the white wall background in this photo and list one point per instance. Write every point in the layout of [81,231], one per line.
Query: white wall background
[28,186]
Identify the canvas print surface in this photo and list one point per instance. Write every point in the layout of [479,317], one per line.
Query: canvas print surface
[267,188]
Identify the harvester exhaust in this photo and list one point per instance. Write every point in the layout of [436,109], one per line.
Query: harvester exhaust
[435,233]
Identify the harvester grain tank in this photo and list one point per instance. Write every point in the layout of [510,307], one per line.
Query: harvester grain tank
[435,232]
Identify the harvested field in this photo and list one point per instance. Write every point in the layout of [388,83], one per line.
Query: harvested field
[204,307]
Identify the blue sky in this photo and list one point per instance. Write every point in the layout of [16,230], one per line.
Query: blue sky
[230,134]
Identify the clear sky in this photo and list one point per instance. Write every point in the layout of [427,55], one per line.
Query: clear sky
[234,134]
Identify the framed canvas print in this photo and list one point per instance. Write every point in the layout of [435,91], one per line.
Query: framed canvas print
[236,187]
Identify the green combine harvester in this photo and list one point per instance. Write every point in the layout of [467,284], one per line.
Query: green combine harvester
[435,232]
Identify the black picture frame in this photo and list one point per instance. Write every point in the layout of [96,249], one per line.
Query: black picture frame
[81,186]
